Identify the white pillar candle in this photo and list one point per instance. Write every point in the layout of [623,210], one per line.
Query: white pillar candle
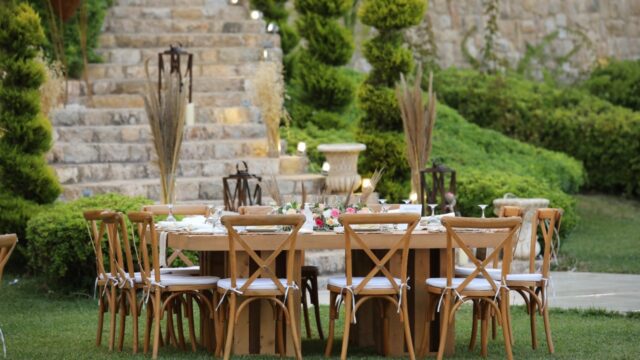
[190,116]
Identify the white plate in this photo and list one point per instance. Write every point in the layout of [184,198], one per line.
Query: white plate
[269,228]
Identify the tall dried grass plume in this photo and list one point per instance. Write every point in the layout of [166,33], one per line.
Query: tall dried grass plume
[268,95]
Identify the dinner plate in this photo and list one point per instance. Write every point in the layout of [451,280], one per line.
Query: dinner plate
[265,228]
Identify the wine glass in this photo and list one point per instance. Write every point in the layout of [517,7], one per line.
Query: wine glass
[209,220]
[433,209]
[383,202]
[218,217]
[407,201]
[170,217]
[482,207]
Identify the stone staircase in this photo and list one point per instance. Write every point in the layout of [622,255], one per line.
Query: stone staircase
[104,144]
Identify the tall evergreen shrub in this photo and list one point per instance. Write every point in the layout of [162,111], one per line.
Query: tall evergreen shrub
[328,46]
[25,178]
[389,59]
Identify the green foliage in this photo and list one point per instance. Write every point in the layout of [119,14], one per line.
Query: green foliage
[96,11]
[273,10]
[386,15]
[314,136]
[603,136]
[388,58]
[617,82]
[289,38]
[323,86]
[325,8]
[58,246]
[326,40]
[380,107]
[25,178]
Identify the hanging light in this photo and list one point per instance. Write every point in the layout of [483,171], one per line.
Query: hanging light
[272,28]
[256,15]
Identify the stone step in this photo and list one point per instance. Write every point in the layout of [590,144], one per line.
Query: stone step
[202,26]
[204,85]
[118,101]
[142,133]
[213,40]
[100,172]
[208,70]
[201,55]
[78,153]
[76,115]
[188,189]
[212,9]
[161,2]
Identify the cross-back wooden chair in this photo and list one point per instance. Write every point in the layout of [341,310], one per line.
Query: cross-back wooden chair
[269,286]
[357,290]
[532,286]
[129,281]
[186,210]
[163,289]
[106,277]
[8,243]
[479,285]
[309,280]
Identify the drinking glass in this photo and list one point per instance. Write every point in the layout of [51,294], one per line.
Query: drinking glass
[210,220]
[218,217]
[407,201]
[383,202]
[170,217]
[482,207]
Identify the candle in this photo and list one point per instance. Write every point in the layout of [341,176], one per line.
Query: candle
[190,114]
[255,14]
[413,197]
[366,183]
[325,168]
[302,147]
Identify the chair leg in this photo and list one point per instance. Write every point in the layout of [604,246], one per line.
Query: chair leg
[407,327]
[192,330]
[218,326]
[484,321]
[293,322]
[101,309]
[280,333]
[348,308]
[494,326]
[444,329]
[332,322]
[157,312]
[123,318]
[305,310]
[547,325]
[474,325]
[316,305]
[113,303]
[178,308]
[133,305]
[505,323]
[231,322]
[532,321]
[425,333]
[147,328]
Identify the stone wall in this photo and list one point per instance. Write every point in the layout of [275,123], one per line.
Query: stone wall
[601,29]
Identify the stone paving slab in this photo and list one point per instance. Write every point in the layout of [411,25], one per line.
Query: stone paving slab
[614,292]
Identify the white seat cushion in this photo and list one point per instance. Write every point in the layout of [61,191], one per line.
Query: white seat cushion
[466,271]
[257,284]
[524,277]
[170,280]
[191,270]
[474,285]
[376,282]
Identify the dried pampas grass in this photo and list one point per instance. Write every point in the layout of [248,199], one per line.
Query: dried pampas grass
[375,179]
[52,90]
[269,97]
[167,119]
[418,121]
[271,187]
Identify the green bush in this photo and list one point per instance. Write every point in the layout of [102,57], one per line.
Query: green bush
[388,57]
[25,178]
[326,8]
[618,82]
[603,136]
[58,245]
[323,86]
[96,11]
[289,38]
[326,41]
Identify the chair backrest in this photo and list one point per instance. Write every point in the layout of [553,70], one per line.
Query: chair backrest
[255,210]
[186,209]
[8,243]
[402,244]
[264,265]
[509,211]
[547,220]
[96,230]
[119,245]
[143,222]
[460,239]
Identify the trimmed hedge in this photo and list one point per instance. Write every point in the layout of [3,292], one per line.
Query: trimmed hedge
[58,245]
[605,137]
[617,82]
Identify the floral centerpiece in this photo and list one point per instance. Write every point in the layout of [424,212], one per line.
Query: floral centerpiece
[326,218]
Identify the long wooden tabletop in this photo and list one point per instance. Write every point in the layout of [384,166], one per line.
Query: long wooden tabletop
[325,240]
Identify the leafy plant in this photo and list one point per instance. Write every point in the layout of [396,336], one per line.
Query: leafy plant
[617,81]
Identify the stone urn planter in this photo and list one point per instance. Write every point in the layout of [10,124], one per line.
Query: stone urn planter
[529,207]
[343,174]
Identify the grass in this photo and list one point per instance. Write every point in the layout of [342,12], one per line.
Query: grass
[607,237]
[40,325]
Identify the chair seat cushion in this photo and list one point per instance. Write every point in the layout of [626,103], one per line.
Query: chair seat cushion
[474,285]
[170,280]
[524,277]
[257,284]
[376,282]
[191,270]
[466,271]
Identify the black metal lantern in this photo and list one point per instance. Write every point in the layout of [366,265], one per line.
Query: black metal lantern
[175,53]
[434,193]
[238,189]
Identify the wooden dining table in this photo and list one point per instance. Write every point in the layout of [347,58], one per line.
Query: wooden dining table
[255,331]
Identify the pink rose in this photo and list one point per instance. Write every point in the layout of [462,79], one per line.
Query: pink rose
[319,222]
[335,213]
[351,210]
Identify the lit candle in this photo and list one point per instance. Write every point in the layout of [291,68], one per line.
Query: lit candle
[413,197]
[234,2]
[326,167]
[265,54]
[255,14]
[190,116]
[302,147]
[366,183]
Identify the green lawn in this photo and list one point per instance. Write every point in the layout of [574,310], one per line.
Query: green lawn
[38,325]
[607,238]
